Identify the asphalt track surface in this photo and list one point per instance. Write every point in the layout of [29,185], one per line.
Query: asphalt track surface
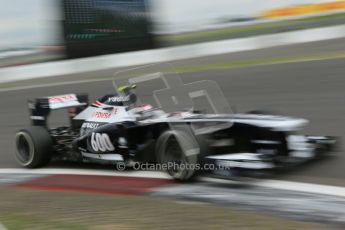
[313,90]
[300,206]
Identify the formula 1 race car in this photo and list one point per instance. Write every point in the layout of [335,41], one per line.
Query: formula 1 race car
[115,128]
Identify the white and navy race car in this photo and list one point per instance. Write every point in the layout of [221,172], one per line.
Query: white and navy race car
[116,129]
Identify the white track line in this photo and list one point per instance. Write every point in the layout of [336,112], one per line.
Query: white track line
[275,184]
[93,172]
[303,187]
[287,185]
[2,227]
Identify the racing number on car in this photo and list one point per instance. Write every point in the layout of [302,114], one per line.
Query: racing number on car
[101,142]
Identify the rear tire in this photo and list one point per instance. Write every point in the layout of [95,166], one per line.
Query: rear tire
[180,153]
[34,147]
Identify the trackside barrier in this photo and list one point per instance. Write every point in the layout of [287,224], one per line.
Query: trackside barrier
[84,65]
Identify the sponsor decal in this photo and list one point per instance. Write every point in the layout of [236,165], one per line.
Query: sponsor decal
[88,125]
[37,118]
[101,115]
[62,101]
[119,98]
[62,98]
[104,114]
[100,142]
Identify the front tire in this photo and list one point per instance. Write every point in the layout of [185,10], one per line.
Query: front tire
[180,153]
[34,147]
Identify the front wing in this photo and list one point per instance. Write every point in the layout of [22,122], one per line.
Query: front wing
[301,149]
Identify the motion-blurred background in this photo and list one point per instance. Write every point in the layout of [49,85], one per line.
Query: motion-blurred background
[282,55]
[41,30]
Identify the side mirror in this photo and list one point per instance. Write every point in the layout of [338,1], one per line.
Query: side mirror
[108,108]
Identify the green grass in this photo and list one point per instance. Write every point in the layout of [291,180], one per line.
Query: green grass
[32,209]
[323,17]
[258,62]
[28,222]
[225,31]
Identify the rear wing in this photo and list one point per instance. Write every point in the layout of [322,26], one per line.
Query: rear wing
[40,108]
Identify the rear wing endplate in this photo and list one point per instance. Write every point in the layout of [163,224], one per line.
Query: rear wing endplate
[41,107]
